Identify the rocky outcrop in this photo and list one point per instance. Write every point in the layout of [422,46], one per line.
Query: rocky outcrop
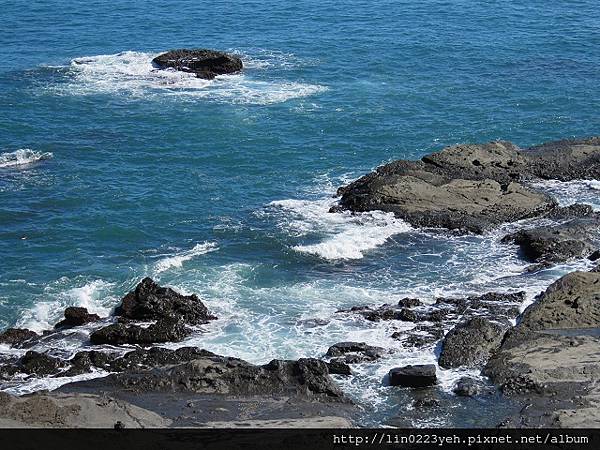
[415,376]
[17,336]
[558,243]
[75,317]
[550,358]
[39,363]
[472,187]
[168,329]
[470,343]
[466,387]
[74,411]
[469,188]
[204,63]
[149,301]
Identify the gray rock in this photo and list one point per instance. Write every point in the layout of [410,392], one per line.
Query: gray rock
[355,352]
[470,343]
[466,387]
[558,243]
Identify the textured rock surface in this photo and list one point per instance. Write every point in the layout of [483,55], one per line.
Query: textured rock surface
[149,301]
[168,329]
[558,243]
[470,343]
[17,336]
[204,63]
[551,358]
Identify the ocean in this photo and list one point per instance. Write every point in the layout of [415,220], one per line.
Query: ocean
[111,171]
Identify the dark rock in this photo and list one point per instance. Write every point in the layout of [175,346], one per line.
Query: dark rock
[84,362]
[204,63]
[168,329]
[407,315]
[595,256]
[409,302]
[306,379]
[355,352]
[337,367]
[466,387]
[382,313]
[17,336]
[39,363]
[413,376]
[76,316]
[470,344]
[426,403]
[149,301]
[552,244]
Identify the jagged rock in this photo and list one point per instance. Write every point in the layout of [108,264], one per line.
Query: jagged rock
[76,316]
[39,363]
[306,379]
[337,367]
[558,243]
[17,336]
[355,352]
[149,301]
[566,160]
[168,329]
[415,376]
[409,302]
[204,63]
[470,343]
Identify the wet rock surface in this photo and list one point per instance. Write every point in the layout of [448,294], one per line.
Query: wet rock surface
[17,336]
[204,63]
[558,243]
[415,376]
[471,343]
[75,317]
[168,329]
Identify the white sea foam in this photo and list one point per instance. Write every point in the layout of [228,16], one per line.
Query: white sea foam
[132,73]
[94,295]
[22,157]
[177,260]
[347,236]
[570,192]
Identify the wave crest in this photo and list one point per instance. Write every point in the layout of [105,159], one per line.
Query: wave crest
[22,157]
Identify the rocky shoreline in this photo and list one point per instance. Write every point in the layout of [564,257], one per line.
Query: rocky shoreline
[546,364]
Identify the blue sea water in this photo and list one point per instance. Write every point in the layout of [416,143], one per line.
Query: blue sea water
[111,171]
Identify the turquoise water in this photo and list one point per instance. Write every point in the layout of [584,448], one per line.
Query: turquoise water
[222,188]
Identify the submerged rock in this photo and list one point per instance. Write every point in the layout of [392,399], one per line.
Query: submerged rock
[467,387]
[204,63]
[76,316]
[415,376]
[149,301]
[470,343]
